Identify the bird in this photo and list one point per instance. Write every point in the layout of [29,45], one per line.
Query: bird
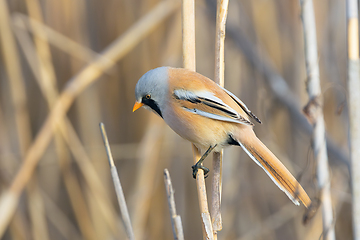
[211,117]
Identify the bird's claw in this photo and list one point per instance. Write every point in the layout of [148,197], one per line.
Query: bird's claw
[195,169]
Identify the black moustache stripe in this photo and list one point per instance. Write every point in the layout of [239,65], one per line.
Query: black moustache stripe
[152,104]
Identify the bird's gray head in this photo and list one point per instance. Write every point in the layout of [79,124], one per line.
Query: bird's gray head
[151,89]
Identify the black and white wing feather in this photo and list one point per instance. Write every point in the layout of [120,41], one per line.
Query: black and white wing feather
[206,104]
[242,105]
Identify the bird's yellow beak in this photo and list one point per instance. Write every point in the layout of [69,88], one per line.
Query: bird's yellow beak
[137,105]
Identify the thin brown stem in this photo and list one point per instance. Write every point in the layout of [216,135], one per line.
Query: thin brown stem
[118,188]
[221,15]
[175,219]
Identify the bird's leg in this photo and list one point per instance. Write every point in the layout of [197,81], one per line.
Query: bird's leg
[198,165]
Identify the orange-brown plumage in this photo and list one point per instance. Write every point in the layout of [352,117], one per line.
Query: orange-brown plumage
[211,117]
[274,167]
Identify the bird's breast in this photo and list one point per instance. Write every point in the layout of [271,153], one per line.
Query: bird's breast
[202,131]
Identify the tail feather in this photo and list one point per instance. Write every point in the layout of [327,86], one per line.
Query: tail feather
[276,171]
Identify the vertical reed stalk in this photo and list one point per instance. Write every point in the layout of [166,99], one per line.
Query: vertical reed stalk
[188,28]
[221,15]
[189,62]
[354,109]
[315,114]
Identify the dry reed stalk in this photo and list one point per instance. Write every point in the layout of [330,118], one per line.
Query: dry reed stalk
[189,62]
[188,37]
[216,191]
[314,112]
[115,51]
[175,219]
[354,112]
[119,192]
[221,15]
[203,202]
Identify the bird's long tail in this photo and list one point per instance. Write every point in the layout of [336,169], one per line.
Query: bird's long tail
[275,169]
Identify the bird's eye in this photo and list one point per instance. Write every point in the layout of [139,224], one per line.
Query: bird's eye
[147,96]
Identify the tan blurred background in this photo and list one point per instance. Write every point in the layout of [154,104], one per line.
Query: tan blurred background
[71,195]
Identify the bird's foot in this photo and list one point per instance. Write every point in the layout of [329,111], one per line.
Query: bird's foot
[196,167]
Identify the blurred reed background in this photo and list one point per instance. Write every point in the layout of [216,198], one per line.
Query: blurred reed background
[71,195]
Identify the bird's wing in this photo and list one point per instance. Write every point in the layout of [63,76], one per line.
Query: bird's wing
[242,105]
[204,103]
